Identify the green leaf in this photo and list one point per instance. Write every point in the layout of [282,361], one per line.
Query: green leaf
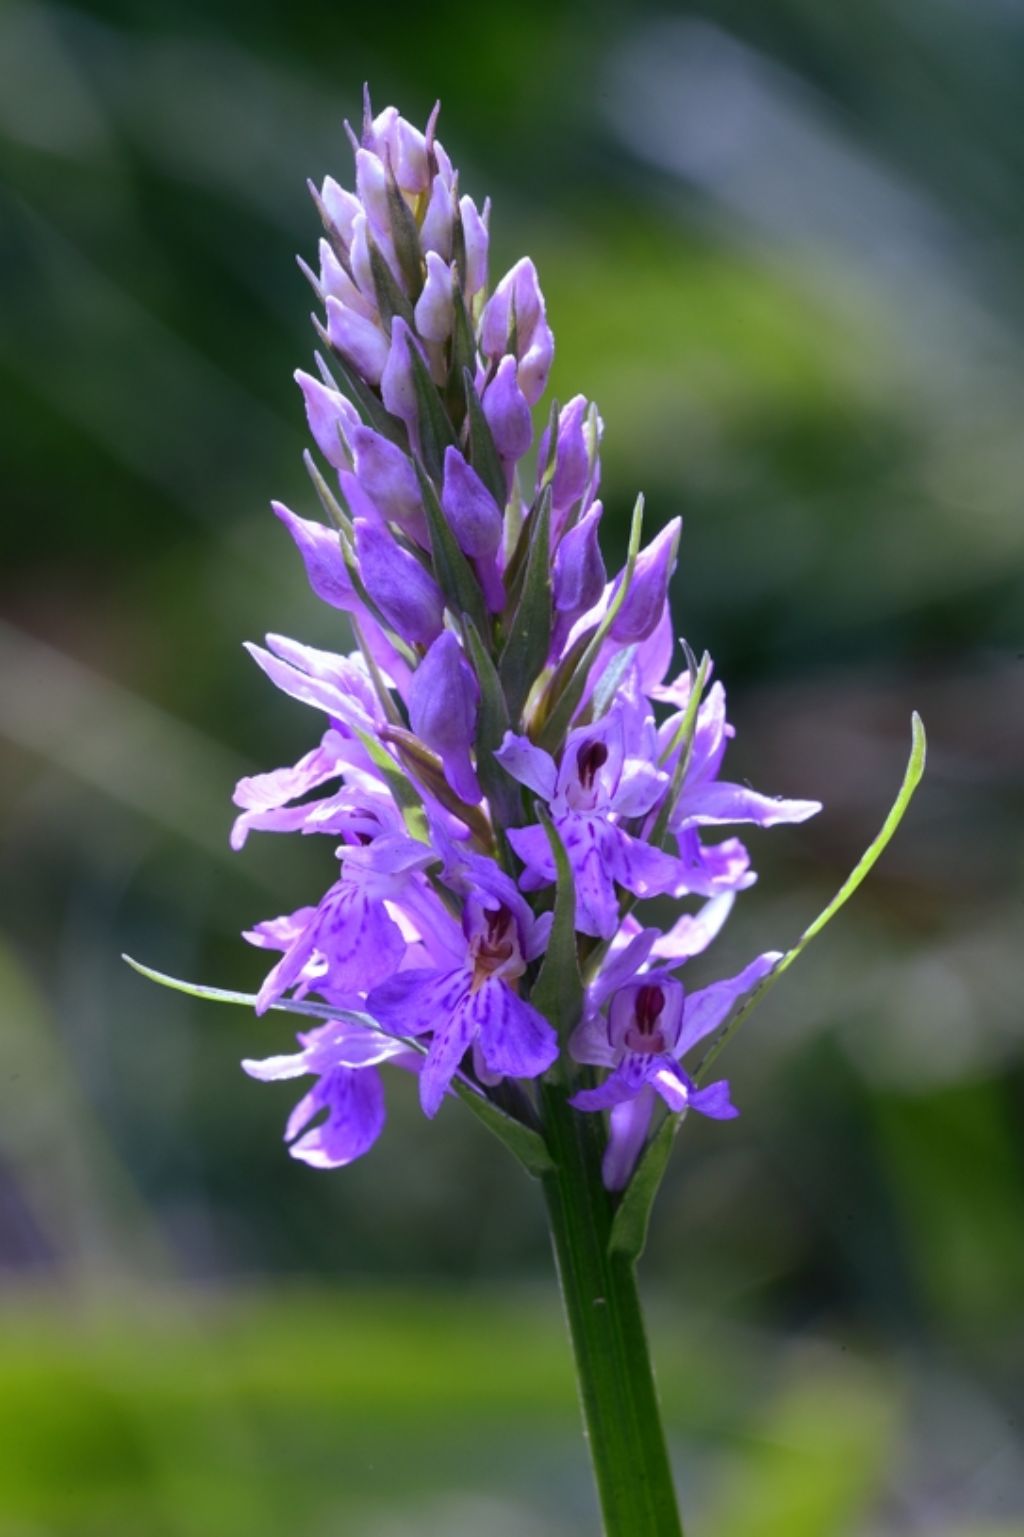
[403,792]
[454,573]
[406,239]
[529,638]
[558,990]
[391,301]
[502,791]
[436,432]
[483,455]
[633,1215]
[463,358]
[553,731]
[527,1145]
[608,684]
[911,780]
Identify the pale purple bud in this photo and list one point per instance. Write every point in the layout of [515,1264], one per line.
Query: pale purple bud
[572,459]
[433,311]
[409,159]
[358,500]
[444,697]
[474,229]
[436,231]
[507,412]
[406,595]
[579,574]
[390,480]
[358,340]
[471,510]
[335,281]
[645,598]
[326,412]
[397,388]
[517,301]
[342,207]
[320,549]
[372,187]
[359,261]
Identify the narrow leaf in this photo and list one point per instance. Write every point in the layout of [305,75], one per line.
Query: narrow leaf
[406,238]
[502,791]
[527,1145]
[632,1218]
[558,990]
[483,455]
[911,780]
[529,638]
[436,433]
[403,792]
[391,301]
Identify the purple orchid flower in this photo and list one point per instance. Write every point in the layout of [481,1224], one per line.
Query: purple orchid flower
[649,1027]
[345,1058]
[601,779]
[468,998]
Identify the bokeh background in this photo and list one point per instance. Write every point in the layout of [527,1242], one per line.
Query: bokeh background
[783,247]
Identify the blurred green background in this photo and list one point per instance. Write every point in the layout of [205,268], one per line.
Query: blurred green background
[783,247]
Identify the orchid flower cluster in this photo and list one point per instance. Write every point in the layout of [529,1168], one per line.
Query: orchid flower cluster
[508,734]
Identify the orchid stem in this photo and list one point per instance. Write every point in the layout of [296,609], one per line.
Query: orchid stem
[618,1397]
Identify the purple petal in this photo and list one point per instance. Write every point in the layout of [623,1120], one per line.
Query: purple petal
[579,574]
[359,341]
[515,1039]
[714,1101]
[641,868]
[320,549]
[326,412]
[397,388]
[708,1008]
[507,412]
[474,229]
[532,766]
[628,1126]
[405,593]
[719,803]
[436,232]
[415,1002]
[644,603]
[452,1040]
[389,478]
[354,1101]
[444,697]
[587,842]
[433,312]
[693,932]
[474,515]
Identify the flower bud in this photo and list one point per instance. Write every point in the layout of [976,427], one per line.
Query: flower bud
[471,510]
[434,306]
[474,229]
[386,474]
[320,549]
[372,187]
[363,346]
[326,412]
[507,413]
[397,385]
[572,457]
[406,595]
[444,697]
[515,314]
[645,598]
[341,207]
[436,230]
[334,280]
[579,574]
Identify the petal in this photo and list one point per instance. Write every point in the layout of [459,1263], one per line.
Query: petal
[417,1001]
[532,766]
[715,1101]
[320,549]
[354,1100]
[587,842]
[447,1050]
[359,341]
[628,1125]
[515,1039]
[641,868]
[693,932]
[708,1008]
[718,803]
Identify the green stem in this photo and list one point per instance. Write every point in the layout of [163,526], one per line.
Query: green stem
[621,1417]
